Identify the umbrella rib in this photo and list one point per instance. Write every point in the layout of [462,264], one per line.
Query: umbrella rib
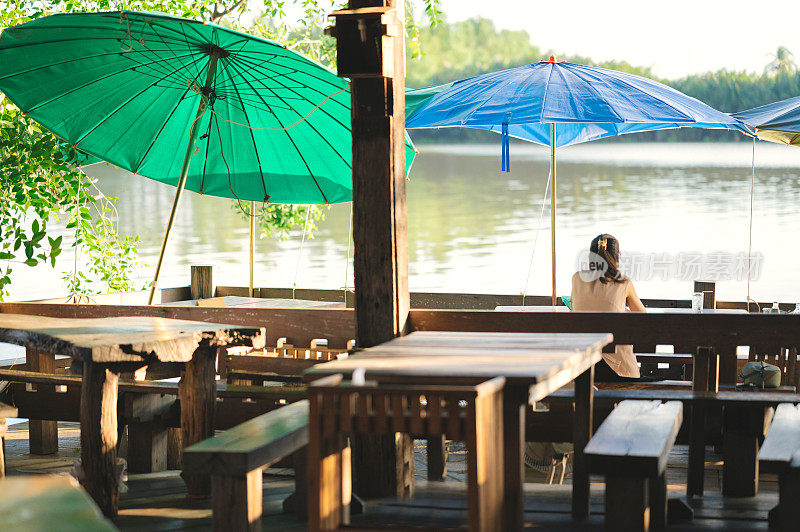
[323,137]
[152,65]
[163,126]
[291,57]
[255,65]
[479,105]
[115,111]
[59,63]
[544,98]
[689,119]
[600,97]
[96,80]
[252,65]
[255,146]
[289,136]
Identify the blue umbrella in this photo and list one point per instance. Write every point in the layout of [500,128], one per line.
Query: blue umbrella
[777,122]
[557,104]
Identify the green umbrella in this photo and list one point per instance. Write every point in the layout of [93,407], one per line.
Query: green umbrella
[190,104]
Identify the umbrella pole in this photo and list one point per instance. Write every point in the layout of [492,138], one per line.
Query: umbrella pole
[252,241]
[201,108]
[553,205]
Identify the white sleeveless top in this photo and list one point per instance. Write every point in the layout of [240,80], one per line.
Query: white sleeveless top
[606,297]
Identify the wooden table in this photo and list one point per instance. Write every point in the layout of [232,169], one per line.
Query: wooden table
[534,365]
[108,346]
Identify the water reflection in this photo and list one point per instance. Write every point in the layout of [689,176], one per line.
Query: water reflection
[471,228]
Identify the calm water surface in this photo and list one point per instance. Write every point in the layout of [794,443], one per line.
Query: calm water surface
[472,228]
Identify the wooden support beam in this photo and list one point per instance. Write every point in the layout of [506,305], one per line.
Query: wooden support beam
[42,434]
[100,477]
[380,258]
[197,392]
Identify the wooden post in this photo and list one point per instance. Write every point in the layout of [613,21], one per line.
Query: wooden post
[380,259]
[202,285]
[42,434]
[197,392]
[437,458]
[514,400]
[743,426]
[582,433]
[702,380]
[100,478]
[657,487]
[627,505]
[237,501]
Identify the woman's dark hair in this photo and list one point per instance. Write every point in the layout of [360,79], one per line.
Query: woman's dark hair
[607,248]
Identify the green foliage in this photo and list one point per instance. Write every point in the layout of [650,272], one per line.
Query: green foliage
[39,175]
[464,49]
[278,220]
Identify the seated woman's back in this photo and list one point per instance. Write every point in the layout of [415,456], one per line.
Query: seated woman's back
[605,289]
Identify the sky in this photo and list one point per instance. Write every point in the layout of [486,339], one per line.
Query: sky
[673,37]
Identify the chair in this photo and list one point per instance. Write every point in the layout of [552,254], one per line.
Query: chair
[472,414]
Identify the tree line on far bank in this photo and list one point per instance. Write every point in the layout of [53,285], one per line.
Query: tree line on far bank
[459,50]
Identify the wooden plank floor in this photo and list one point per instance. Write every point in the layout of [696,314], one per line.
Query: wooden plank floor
[158,501]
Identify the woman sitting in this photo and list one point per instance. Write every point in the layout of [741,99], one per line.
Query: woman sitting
[604,288]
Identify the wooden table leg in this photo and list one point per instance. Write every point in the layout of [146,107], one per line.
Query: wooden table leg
[582,433]
[742,428]
[437,458]
[705,378]
[197,391]
[43,434]
[99,436]
[515,398]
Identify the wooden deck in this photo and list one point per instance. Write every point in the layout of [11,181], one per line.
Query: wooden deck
[157,501]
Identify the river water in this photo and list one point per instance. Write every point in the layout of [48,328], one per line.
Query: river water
[471,228]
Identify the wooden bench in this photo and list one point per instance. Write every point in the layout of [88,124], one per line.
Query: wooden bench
[5,412]
[780,454]
[48,502]
[235,460]
[150,409]
[631,449]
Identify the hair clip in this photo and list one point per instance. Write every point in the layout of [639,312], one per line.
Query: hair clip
[602,243]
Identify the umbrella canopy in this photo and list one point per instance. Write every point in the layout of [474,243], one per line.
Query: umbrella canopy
[557,104]
[126,87]
[776,122]
[587,103]
[190,104]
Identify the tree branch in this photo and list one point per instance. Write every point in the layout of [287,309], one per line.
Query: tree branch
[219,14]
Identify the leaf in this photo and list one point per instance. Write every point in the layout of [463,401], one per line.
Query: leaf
[31,262]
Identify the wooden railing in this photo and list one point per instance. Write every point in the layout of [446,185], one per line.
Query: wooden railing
[761,333]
